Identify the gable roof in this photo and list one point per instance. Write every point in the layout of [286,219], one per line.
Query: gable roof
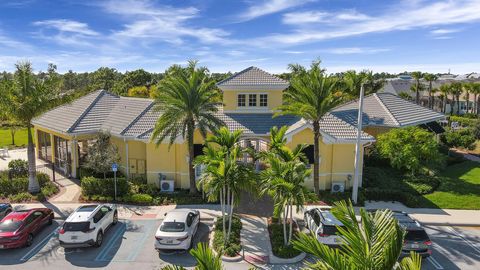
[253,78]
[386,109]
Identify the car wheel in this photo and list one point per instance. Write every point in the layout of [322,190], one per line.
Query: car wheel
[29,241]
[99,240]
[115,218]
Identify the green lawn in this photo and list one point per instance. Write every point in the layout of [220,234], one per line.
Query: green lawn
[6,139]
[461,190]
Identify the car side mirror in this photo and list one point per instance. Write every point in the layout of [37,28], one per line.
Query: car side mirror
[165,214]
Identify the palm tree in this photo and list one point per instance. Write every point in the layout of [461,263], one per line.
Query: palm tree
[353,82]
[224,176]
[311,95]
[445,91]
[25,98]
[283,179]
[405,96]
[375,243]
[188,100]
[206,259]
[456,90]
[417,75]
[430,78]
[468,88]
[476,92]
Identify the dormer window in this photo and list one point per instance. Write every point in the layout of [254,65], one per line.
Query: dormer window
[252,100]
[263,100]
[241,100]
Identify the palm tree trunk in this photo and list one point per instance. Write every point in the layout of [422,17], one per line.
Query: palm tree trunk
[191,170]
[430,103]
[458,105]
[285,215]
[230,217]
[417,92]
[291,224]
[33,186]
[316,162]
[475,103]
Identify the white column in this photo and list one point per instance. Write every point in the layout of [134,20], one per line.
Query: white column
[74,158]
[356,179]
[127,166]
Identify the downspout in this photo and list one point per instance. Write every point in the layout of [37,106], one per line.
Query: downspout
[74,154]
[127,166]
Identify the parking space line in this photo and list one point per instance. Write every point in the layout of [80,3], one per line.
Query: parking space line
[141,243]
[101,256]
[39,246]
[435,263]
[464,239]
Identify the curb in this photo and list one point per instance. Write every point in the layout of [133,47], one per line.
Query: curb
[450,224]
[277,260]
[224,258]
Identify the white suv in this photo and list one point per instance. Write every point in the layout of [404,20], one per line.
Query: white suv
[86,226]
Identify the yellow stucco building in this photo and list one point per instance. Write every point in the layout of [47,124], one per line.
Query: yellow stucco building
[250,98]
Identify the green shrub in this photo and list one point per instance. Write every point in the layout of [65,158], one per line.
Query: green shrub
[104,187]
[233,247]
[464,121]
[378,194]
[459,138]
[276,239]
[14,186]
[149,189]
[85,172]
[43,179]
[141,198]
[49,189]
[18,168]
[21,197]
[423,184]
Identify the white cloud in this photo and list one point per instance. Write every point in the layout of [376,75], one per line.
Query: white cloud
[313,17]
[71,26]
[266,7]
[355,50]
[145,20]
[405,16]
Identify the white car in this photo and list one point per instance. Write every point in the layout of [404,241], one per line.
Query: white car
[323,224]
[87,225]
[177,230]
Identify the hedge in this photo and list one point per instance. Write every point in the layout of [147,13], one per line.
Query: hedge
[104,187]
[233,246]
[378,194]
[464,121]
[20,185]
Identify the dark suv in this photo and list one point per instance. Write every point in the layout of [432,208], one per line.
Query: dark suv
[416,239]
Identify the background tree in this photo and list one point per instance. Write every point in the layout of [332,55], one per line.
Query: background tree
[101,154]
[131,79]
[411,148]
[139,91]
[104,78]
[464,138]
[476,91]
[417,76]
[405,96]
[456,89]
[188,100]
[353,82]
[311,95]
[430,78]
[445,90]
[375,243]
[25,98]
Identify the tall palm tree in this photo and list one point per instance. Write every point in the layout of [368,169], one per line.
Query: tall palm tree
[468,88]
[25,98]
[224,176]
[353,82]
[374,243]
[456,89]
[445,91]
[417,76]
[283,179]
[430,78]
[476,92]
[311,95]
[188,100]
[206,259]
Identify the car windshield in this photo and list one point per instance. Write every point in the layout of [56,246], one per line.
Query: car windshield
[10,225]
[329,229]
[172,227]
[416,235]
[76,226]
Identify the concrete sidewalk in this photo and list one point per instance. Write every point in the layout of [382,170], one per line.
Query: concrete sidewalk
[429,216]
[255,239]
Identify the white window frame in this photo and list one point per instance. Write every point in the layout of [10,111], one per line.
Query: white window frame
[260,100]
[256,99]
[244,100]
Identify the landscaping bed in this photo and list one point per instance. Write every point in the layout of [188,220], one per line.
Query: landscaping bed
[15,190]
[233,246]
[275,231]
[103,190]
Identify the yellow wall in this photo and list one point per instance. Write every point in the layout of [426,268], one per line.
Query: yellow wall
[230,99]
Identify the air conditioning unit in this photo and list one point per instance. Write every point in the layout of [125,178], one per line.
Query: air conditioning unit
[338,187]
[167,185]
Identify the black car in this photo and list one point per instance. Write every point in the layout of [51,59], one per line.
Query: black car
[5,209]
[416,239]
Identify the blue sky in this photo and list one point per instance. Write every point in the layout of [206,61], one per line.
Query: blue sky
[391,36]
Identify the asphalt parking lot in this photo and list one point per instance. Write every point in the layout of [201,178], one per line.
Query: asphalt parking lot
[130,242]
[129,245]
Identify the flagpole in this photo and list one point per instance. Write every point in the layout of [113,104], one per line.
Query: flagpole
[358,145]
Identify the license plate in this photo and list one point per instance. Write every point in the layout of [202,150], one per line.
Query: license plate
[414,246]
[74,237]
[169,241]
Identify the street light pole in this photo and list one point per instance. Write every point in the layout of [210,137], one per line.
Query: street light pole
[358,144]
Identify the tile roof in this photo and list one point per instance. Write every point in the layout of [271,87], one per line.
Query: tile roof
[253,78]
[385,109]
